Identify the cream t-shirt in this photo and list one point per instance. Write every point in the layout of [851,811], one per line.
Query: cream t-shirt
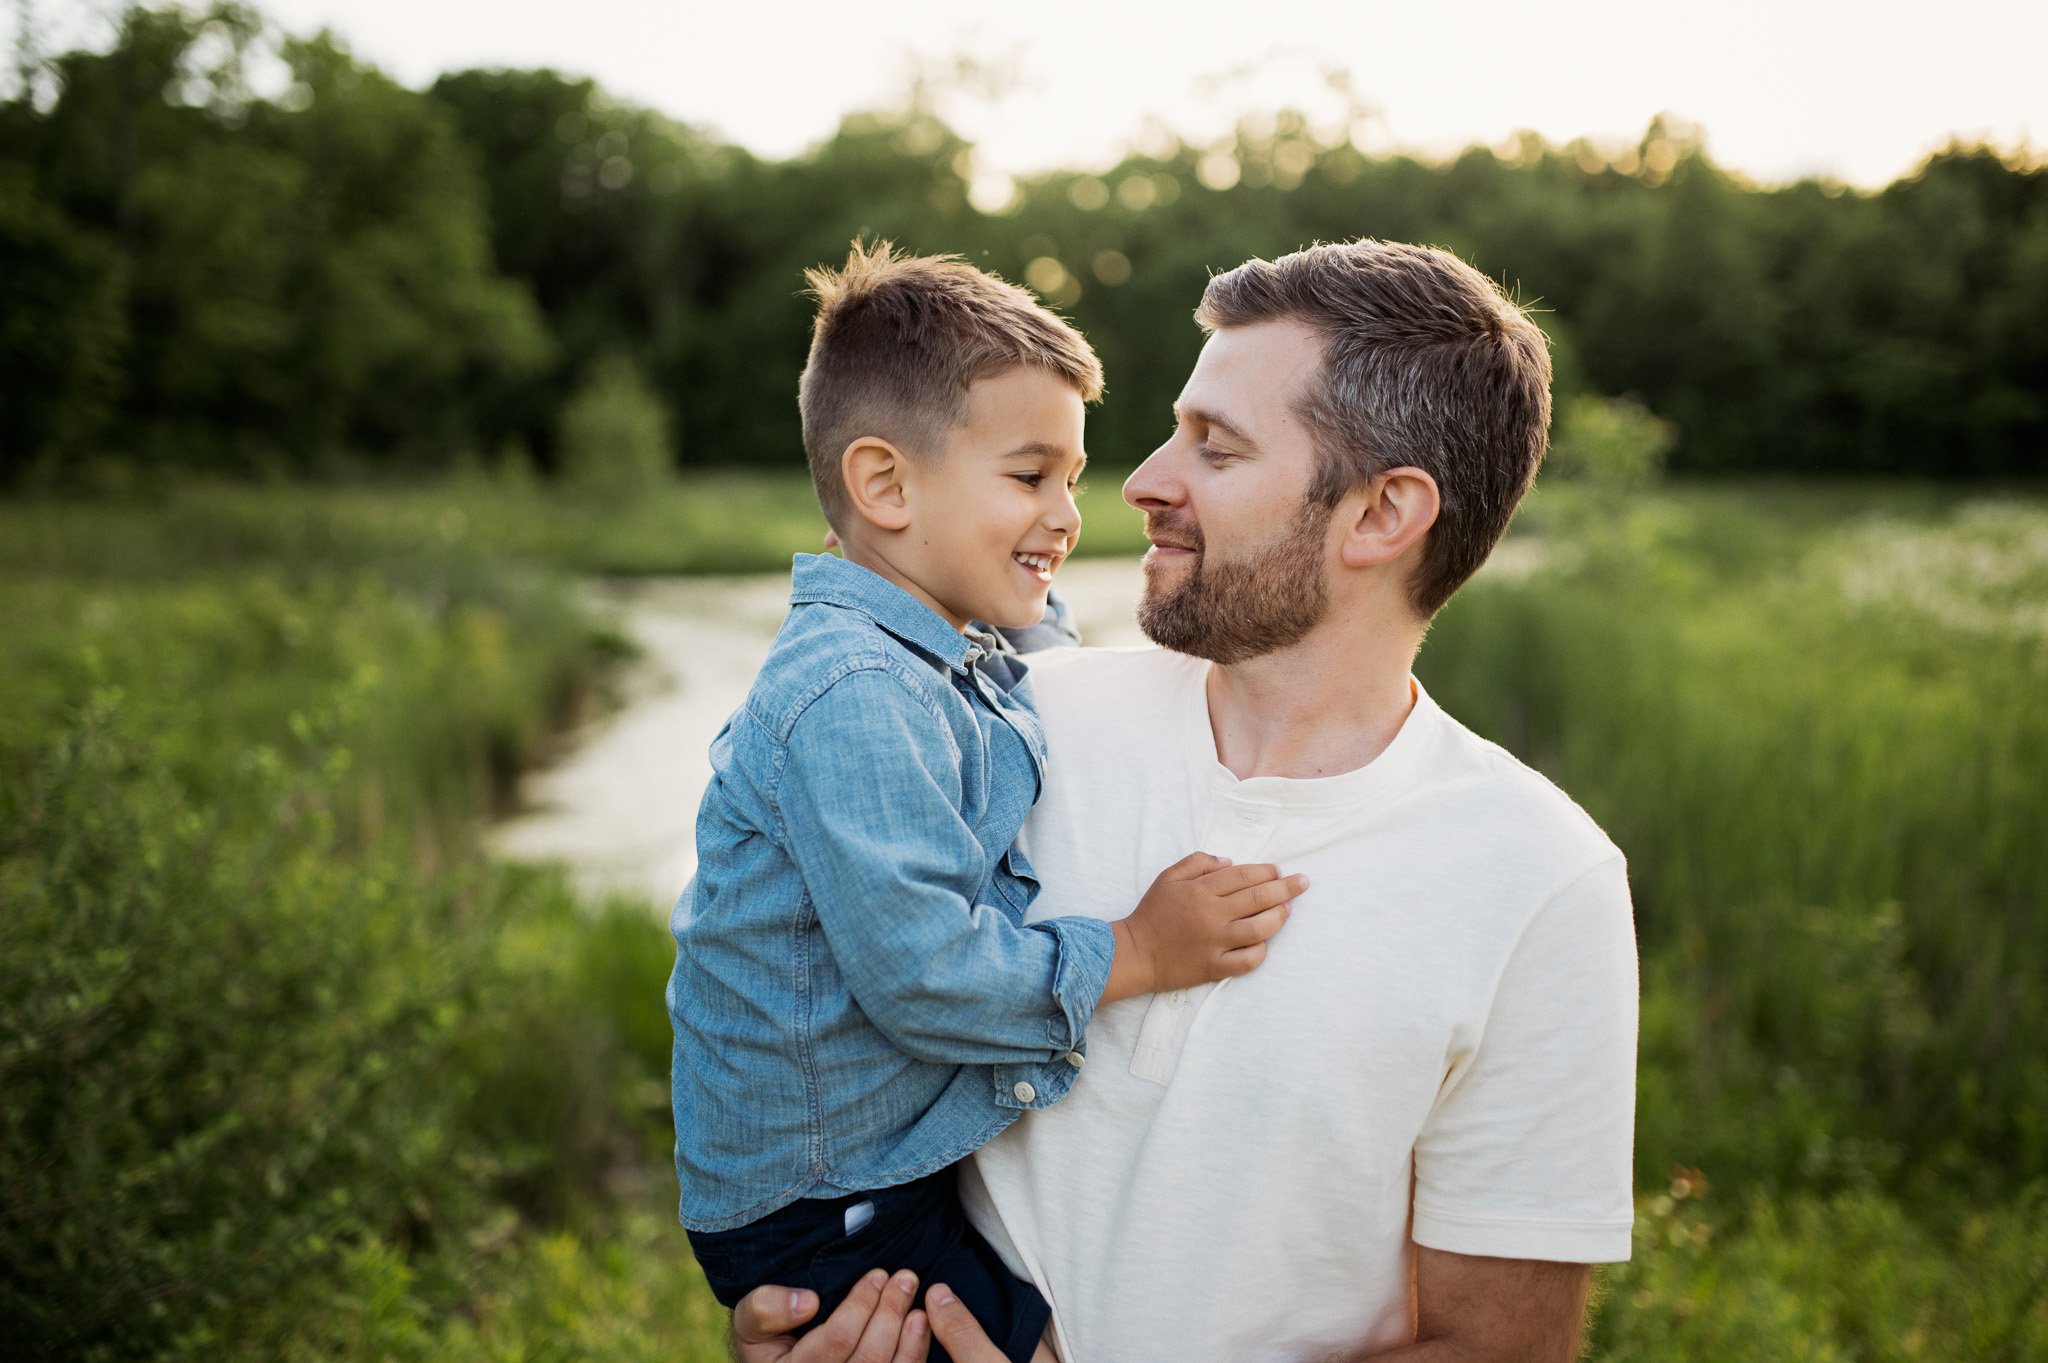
[1440,1045]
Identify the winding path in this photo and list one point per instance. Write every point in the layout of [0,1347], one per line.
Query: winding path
[620,810]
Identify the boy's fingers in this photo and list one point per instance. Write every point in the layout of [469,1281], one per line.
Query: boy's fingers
[1257,927]
[1192,865]
[1264,896]
[1231,879]
[1243,960]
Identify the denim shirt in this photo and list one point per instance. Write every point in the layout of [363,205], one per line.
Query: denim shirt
[857,1001]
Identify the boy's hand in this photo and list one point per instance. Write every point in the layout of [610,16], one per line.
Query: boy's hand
[1203,919]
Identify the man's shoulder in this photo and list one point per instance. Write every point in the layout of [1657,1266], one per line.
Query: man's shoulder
[1518,805]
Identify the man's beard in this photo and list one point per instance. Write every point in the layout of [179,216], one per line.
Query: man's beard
[1232,611]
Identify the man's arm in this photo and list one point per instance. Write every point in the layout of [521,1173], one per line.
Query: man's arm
[1469,1309]
[1472,1309]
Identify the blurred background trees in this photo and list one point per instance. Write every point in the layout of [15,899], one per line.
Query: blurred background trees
[353,275]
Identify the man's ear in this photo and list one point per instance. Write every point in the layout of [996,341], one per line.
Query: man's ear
[1388,516]
[876,474]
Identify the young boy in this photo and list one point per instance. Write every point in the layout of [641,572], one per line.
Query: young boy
[858,1002]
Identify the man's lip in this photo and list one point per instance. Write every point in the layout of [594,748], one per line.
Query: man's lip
[1164,547]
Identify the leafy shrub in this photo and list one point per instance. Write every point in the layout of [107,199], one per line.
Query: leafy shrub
[230,1052]
[263,1008]
[1611,441]
[615,435]
[1852,1277]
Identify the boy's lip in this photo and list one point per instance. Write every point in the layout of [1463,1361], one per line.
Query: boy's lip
[1051,560]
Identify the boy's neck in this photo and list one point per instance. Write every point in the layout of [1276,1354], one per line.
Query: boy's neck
[875,559]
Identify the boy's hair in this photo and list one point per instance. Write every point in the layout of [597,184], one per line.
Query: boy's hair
[897,343]
[1426,363]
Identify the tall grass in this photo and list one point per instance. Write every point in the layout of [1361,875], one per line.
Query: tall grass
[265,1011]
[1826,763]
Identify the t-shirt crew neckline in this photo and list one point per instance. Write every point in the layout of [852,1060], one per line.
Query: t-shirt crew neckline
[1352,789]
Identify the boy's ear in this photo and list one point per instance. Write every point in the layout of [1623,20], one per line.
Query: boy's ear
[876,473]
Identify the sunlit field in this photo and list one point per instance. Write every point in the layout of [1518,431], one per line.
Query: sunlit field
[291,1070]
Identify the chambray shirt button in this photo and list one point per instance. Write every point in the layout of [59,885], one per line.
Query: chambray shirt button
[1076,1059]
[1025,1093]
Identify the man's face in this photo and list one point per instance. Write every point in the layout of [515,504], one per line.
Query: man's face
[1238,560]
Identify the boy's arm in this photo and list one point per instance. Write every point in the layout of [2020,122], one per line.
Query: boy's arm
[870,803]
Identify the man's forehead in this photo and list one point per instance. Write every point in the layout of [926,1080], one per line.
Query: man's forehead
[1250,377]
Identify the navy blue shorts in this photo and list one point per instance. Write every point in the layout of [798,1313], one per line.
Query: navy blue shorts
[918,1226]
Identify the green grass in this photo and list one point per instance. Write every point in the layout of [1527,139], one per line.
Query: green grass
[292,1072]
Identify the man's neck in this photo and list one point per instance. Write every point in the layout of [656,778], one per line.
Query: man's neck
[1327,705]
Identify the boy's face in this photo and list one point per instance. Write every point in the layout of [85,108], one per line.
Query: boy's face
[993,516]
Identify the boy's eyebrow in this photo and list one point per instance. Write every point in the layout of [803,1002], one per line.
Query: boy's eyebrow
[1203,416]
[1044,451]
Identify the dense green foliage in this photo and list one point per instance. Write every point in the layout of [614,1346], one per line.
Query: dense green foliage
[264,1010]
[352,272]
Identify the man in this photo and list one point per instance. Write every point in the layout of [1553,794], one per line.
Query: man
[1408,1136]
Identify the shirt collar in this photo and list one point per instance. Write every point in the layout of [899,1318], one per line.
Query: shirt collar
[833,581]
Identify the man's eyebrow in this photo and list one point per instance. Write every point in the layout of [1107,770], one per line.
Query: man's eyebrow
[1203,416]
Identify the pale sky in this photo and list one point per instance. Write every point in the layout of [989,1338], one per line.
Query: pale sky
[1859,91]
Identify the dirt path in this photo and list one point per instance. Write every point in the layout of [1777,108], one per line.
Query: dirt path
[621,808]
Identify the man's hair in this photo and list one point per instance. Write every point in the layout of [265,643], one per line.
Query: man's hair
[1426,363]
[897,343]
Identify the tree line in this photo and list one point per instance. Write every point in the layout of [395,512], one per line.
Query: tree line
[353,275]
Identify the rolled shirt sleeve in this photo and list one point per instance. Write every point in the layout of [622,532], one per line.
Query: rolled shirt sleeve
[871,804]
[1528,1151]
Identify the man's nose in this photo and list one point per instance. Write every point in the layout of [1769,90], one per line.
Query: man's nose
[1153,485]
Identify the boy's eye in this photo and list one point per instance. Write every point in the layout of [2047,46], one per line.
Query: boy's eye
[1030,480]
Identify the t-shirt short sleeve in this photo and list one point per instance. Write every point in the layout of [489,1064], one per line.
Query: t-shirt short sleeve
[1527,1152]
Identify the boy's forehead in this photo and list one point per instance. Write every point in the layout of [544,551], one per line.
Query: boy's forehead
[1028,410]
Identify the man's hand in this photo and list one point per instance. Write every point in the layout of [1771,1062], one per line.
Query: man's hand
[873,1325]
[955,1327]
[1203,919]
